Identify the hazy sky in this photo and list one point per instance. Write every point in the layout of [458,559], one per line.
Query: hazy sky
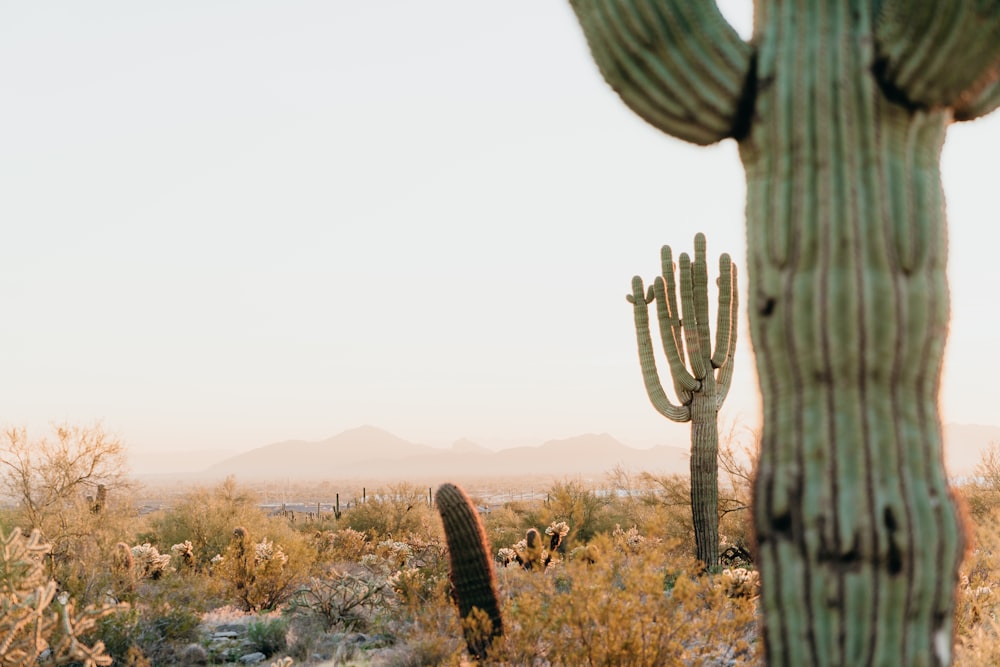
[226,223]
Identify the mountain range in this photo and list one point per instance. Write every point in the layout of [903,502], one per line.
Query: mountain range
[368,452]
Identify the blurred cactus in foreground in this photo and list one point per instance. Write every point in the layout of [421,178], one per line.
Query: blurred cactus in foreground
[472,577]
[703,384]
[840,111]
[36,626]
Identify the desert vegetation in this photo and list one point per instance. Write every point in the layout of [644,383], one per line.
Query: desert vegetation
[591,572]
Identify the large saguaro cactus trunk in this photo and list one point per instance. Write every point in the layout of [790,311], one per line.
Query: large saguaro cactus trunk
[701,386]
[840,109]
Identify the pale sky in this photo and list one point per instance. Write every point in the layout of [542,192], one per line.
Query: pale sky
[227,223]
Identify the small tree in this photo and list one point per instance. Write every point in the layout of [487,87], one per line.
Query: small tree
[57,483]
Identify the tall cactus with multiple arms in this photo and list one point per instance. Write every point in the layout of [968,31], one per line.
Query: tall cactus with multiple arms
[840,109]
[473,583]
[701,389]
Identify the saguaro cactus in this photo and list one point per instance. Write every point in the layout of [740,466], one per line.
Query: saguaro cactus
[472,577]
[840,110]
[701,389]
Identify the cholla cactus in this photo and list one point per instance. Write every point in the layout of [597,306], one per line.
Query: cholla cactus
[265,554]
[557,532]
[740,582]
[257,572]
[506,556]
[629,541]
[184,552]
[397,554]
[35,626]
[149,562]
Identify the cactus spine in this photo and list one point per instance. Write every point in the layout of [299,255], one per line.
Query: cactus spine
[472,576]
[840,111]
[702,389]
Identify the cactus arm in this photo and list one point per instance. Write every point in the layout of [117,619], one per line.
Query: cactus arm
[725,376]
[724,317]
[678,64]
[690,321]
[640,308]
[471,565]
[670,336]
[937,53]
[699,278]
[987,101]
[670,294]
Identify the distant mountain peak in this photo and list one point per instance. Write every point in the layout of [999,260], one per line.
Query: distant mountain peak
[466,446]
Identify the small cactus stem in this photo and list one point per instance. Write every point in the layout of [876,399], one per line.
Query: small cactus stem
[647,360]
[679,65]
[102,498]
[472,576]
[533,549]
[123,561]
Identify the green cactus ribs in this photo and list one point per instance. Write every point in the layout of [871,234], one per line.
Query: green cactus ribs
[701,389]
[472,577]
[840,110]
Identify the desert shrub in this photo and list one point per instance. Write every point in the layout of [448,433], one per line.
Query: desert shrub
[981,493]
[738,453]
[650,610]
[35,623]
[422,576]
[345,544]
[670,498]
[58,481]
[504,526]
[156,632]
[977,609]
[206,518]
[571,501]
[628,503]
[262,573]
[268,634]
[342,598]
[432,637]
[424,650]
[397,511]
